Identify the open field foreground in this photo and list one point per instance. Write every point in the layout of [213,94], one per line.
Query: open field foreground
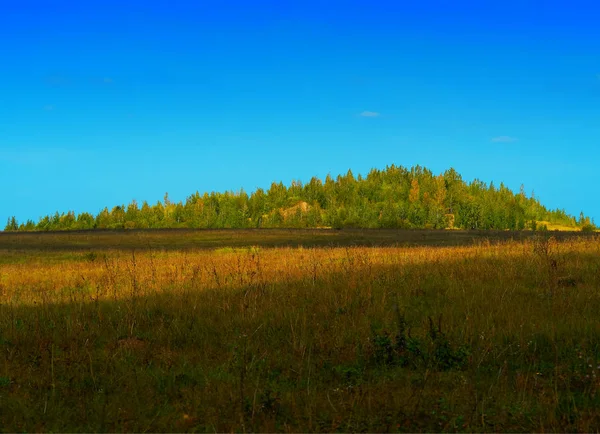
[492,336]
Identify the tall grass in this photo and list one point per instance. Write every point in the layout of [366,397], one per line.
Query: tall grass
[489,337]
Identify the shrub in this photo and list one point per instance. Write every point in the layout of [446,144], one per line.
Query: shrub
[588,227]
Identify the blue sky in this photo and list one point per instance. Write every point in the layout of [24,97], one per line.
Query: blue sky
[105,102]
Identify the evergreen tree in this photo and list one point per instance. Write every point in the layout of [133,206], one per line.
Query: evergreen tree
[12,224]
[395,197]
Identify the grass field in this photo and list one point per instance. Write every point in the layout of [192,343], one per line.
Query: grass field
[299,331]
[193,239]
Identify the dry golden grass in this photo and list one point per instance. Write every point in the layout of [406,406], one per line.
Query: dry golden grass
[558,227]
[487,337]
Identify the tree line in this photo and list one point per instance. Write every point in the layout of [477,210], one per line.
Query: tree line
[395,197]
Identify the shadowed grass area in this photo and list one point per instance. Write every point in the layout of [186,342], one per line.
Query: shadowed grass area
[186,239]
[487,337]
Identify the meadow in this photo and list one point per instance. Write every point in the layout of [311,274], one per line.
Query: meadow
[314,330]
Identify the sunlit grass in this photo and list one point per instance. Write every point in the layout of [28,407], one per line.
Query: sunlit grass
[487,337]
[558,227]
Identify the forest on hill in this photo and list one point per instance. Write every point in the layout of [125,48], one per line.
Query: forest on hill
[395,197]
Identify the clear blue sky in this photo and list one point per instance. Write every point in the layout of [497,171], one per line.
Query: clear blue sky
[105,102]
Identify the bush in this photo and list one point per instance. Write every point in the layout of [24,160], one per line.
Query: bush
[129,224]
[588,227]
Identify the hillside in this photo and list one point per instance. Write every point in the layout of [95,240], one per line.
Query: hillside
[395,197]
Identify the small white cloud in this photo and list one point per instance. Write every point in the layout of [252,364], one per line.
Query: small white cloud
[504,139]
[368,114]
